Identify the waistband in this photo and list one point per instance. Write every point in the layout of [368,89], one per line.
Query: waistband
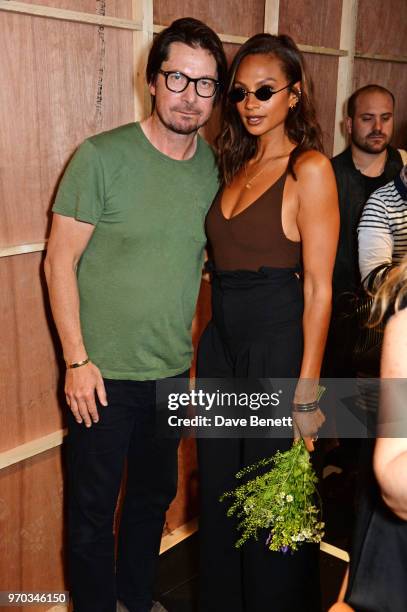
[263,276]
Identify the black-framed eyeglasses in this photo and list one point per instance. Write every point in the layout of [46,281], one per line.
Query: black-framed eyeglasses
[263,93]
[177,81]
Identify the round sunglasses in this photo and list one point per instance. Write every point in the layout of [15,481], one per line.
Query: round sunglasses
[238,94]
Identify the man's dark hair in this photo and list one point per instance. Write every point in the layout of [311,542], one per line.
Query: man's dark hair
[367,88]
[193,33]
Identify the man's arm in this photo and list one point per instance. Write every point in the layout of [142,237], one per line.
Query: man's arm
[375,239]
[67,242]
[375,248]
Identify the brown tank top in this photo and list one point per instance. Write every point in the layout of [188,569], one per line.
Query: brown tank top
[254,237]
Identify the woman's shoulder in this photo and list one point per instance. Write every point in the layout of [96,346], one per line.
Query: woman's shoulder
[312,165]
[400,316]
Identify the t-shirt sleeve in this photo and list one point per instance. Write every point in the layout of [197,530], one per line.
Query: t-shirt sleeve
[81,190]
[374,215]
[374,236]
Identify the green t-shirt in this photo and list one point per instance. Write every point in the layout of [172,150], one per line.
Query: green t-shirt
[139,276]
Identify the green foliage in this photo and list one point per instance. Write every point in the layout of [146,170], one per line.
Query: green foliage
[281,500]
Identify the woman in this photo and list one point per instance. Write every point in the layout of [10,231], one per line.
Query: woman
[377,574]
[390,456]
[277,213]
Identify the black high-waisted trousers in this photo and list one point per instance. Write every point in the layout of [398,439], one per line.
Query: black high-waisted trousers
[255,331]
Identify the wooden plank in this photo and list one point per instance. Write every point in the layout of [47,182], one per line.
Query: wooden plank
[239,40]
[322,50]
[178,535]
[382,28]
[324,93]
[232,38]
[67,81]
[334,551]
[32,448]
[398,59]
[233,16]
[143,13]
[39,10]
[21,249]
[30,393]
[112,8]
[32,526]
[271,16]
[311,22]
[345,71]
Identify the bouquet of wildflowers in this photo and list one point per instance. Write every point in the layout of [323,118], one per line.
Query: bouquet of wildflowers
[283,500]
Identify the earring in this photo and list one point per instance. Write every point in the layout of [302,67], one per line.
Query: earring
[297,98]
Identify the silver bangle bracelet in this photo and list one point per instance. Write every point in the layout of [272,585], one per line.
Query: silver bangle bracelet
[310,407]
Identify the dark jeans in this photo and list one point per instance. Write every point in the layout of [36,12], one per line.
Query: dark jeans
[96,459]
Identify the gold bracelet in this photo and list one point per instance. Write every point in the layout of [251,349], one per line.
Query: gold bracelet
[78,364]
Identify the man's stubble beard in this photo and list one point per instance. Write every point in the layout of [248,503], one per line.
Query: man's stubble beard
[363,145]
[178,128]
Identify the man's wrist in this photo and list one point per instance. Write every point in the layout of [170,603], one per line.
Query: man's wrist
[77,364]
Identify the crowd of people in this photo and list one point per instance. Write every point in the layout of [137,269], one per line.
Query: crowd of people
[135,210]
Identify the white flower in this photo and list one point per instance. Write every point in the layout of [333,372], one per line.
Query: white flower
[289,498]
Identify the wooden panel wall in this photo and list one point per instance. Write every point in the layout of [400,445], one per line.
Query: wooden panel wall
[62,81]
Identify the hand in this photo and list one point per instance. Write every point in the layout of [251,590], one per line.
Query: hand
[80,386]
[306,426]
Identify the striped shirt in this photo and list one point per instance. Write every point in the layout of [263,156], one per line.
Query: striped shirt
[382,230]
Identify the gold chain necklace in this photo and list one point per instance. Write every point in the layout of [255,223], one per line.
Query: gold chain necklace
[249,183]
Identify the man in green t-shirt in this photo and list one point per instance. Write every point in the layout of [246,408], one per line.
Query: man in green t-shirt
[123,268]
